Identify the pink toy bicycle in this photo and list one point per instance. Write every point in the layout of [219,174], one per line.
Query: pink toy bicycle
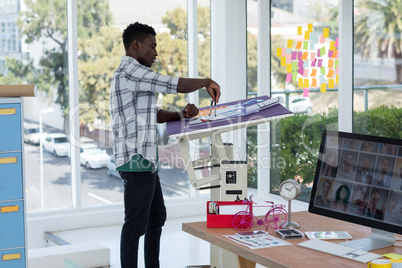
[275,217]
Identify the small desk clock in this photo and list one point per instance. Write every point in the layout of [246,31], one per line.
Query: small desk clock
[289,190]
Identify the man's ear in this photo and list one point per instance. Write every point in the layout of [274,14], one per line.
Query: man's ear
[135,45]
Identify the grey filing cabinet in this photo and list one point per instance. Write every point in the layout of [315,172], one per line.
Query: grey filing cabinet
[12,185]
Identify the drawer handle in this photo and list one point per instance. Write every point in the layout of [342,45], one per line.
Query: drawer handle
[7,209]
[10,257]
[8,111]
[8,160]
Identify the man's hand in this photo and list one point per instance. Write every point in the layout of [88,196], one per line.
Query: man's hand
[190,111]
[214,90]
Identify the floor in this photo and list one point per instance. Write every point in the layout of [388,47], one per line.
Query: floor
[178,249]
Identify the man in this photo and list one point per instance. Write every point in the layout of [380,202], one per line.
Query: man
[383,178]
[134,117]
[372,210]
[322,200]
[364,174]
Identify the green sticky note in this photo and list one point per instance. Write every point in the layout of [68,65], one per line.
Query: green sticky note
[305,45]
[294,66]
[322,51]
[294,76]
[322,70]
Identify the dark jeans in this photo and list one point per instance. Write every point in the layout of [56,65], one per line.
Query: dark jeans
[145,213]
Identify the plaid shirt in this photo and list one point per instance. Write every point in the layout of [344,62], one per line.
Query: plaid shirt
[133,109]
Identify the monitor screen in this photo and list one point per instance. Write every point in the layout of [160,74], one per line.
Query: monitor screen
[358,179]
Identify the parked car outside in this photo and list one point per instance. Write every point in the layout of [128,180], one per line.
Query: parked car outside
[300,104]
[31,133]
[111,168]
[57,143]
[91,156]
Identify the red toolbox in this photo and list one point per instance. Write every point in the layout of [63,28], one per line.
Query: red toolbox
[221,213]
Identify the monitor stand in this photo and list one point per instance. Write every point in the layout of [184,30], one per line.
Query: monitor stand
[377,239]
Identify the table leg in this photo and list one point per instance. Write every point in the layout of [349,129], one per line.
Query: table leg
[244,263]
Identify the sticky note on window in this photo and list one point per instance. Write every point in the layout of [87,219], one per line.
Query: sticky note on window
[313,72]
[323,88]
[322,51]
[283,51]
[283,61]
[294,66]
[335,54]
[330,73]
[322,69]
[319,64]
[279,52]
[310,27]
[332,45]
[306,35]
[294,76]
[299,30]
[306,83]
[305,92]
[290,43]
[294,55]
[330,53]
[300,83]
[288,68]
[314,82]
[289,77]
[305,73]
[312,56]
[305,55]
[330,63]
[305,45]
[298,45]
[322,39]
[336,81]
[331,83]
[337,42]
[313,63]
[289,58]
[325,32]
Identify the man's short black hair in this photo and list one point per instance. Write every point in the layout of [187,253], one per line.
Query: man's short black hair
[136,31]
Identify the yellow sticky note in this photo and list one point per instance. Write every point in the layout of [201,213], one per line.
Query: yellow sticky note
[283,61]
[330,73]
[299,30]
[314,82]
[306,35]
[323,88]
[8,160]
[300,84]
[310,27]
[298,45]
[332,45]
[330,63]
[290,43]
[279,52]
[336,81]
[313,72]
[7,111]
[10,257]
[326,32]
[306,83]
[6,209]
[331,83]
[288,68]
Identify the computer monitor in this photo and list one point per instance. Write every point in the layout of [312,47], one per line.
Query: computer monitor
[358,179]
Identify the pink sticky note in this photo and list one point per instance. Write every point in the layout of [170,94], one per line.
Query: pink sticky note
[313,63]
[330,52]
[305,73]
[322,39]
[299,55]
[319,63]
[288,77]
[336,70]
[283,51]
[312,56]
[318,53]
[294,55]
[305,92]
[301,71]
[288,58]
[336,42]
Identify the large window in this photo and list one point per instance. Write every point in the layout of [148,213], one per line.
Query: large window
[304,71]
[377,68]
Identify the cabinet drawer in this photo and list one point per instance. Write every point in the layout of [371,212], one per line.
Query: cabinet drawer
[12,258]
[11,176]
[10,131]
[12,225]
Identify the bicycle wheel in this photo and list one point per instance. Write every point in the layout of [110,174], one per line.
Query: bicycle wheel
[276,217]
[242,220]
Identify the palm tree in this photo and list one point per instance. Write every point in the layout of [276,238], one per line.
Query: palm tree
[380,22]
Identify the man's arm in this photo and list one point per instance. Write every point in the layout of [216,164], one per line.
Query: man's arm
[165,116]
[187,85]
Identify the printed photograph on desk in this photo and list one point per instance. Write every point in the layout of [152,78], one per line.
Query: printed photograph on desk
[255,241]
